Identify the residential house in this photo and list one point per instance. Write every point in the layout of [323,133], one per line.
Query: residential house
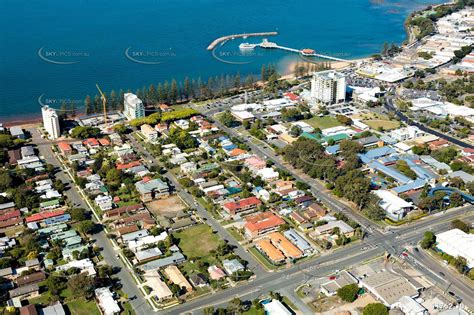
[175,276]
[262,223]
[150,189]
[242,206]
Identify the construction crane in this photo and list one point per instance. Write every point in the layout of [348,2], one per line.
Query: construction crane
[104,103]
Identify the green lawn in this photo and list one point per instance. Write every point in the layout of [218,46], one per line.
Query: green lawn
[197,241]
[82,307]
[127,309]
[233,231]
[322,122]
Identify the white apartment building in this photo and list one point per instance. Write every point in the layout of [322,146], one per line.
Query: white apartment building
[149,132]
[133,106]
[51,122]
[406,133]
[328,87]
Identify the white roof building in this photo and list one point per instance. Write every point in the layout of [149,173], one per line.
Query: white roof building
[328,87]
[268,174]
[275,307]
[395,207]
[457,243]
[104,202]
[158,286]
[107,302]
[406,133]
[409,306]
[133,106]
[85,265]
[242,115]
[51,122]
[305,127]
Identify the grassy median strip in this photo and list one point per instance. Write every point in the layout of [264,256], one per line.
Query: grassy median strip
[262,259]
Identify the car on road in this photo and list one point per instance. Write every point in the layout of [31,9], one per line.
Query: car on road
[442,274]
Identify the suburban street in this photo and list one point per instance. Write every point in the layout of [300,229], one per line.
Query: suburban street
[375,244]
[203,213]
[391,107]
[265,152]
[100,239]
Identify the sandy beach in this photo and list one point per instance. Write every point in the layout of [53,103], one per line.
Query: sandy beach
[335,65]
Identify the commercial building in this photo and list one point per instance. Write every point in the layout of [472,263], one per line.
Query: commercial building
[395,207]
[388,287]
[409,306]
[133,106]
[328,87]
[51,122]
[275,307]
[457,243]
[343,278]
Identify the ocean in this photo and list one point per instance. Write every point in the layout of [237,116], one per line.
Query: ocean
[54,51]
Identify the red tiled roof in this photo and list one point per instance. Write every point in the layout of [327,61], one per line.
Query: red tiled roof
[11,222]
[128,165]
[292,96]
[44,215]
[237,151]
[262,221]
[127,229]
[104,142]
[10,215]
[235,205]
[91,142]
[64,146]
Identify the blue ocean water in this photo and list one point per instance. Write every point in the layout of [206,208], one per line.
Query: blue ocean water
[58,50]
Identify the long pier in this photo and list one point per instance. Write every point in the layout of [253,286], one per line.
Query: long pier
[304,52]
[224,38]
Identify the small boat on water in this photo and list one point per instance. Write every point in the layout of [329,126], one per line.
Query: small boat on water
[247,46]
[308,52]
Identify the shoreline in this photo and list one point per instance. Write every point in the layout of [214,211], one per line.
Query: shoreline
[35,118]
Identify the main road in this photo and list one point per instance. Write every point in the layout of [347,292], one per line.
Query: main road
[391,107]
[264,151]
[345,257]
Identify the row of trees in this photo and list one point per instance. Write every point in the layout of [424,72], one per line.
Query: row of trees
[177,90]
[346,181]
